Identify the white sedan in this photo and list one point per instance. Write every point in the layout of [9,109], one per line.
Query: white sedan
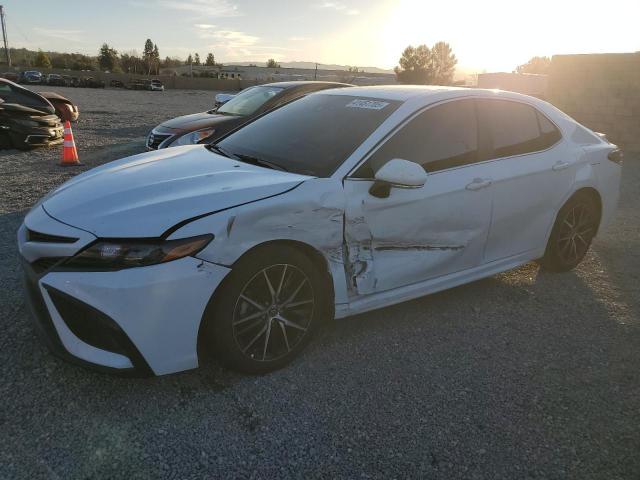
[341,202]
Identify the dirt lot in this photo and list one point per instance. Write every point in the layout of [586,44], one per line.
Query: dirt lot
[523,375]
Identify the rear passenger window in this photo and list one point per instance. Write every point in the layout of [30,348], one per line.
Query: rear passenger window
[548,131]
[516,128]
[442,137]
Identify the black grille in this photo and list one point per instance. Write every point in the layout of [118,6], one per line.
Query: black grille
[33,236]
[43,264]
[155,140]
[88,324]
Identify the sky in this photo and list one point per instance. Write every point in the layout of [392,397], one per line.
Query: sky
[486,35]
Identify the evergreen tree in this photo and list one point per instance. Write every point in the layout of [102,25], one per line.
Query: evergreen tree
[42,60]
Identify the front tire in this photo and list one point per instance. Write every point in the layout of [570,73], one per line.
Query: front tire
[575,227]
[267,310]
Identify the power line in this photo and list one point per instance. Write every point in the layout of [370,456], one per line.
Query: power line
[20,31]
[4,36]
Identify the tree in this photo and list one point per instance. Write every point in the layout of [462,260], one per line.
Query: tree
[189,60]
[148,56]
[415,66]
[535,65]
[156,59]
[107,58]
[59,61]
[196,59]
[427,66]
[130,62]
[210,61]
[42,60]
[443,63]
[271,63]
[353,70]
[77,61]
[170,62]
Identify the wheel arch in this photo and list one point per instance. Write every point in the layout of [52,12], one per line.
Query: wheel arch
[316,257]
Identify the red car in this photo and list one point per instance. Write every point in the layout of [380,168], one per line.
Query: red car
[65,108]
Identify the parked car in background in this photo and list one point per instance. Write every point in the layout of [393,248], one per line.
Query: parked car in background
[54,79]
[136,85]
[116,84]
[208,126]
[222,98]
[13,76]
[341,202]
[46,102]
[24,127]
[90,82]
[30,77]
[65,108]
[155,86]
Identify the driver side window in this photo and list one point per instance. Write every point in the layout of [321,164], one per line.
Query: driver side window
[439,138]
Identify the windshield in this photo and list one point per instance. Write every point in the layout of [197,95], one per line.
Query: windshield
[311,136]
[249,100]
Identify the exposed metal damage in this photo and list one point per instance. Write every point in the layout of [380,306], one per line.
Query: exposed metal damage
[425,248]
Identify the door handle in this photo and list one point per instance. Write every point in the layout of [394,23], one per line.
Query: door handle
[478,183]
[560,166]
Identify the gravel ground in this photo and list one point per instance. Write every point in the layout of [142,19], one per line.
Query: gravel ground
[523,375]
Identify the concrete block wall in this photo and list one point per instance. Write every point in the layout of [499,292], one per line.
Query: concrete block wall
[601,91]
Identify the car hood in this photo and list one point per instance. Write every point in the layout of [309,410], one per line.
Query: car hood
[147,194]
[55,96]
[196,121]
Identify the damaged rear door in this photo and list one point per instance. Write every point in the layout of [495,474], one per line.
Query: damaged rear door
[416,234]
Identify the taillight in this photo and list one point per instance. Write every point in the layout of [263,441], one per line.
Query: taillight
[616,156]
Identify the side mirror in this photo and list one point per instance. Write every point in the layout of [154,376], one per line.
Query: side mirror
[397,173]
[222,98]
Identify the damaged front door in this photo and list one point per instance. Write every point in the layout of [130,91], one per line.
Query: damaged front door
[416,234]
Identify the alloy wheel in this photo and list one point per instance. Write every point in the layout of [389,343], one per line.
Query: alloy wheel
[576,232]
[273,312]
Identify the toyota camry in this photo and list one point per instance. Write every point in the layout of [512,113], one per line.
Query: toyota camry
[344,201]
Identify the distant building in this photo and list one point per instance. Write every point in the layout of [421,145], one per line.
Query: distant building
[527,83]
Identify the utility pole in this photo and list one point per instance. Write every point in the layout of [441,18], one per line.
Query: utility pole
[315,74]
[4,36]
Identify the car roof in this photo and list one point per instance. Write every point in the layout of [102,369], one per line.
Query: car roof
[425,94]
[303,83]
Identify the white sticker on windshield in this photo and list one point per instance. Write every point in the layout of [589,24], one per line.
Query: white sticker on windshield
[368,104]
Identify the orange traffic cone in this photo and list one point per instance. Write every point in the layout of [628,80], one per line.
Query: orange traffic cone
[69,152]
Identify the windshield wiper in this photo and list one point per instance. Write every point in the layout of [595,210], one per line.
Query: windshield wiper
[260,162]
[221,151]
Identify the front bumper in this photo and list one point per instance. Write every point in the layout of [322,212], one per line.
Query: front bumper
[138,321]
[39,136]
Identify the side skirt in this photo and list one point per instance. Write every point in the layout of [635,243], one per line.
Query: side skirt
[416,290]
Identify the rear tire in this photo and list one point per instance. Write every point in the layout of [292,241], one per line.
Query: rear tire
[267,310]
[573,231]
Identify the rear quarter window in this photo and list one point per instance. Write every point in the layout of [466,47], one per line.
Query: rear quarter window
[516,128]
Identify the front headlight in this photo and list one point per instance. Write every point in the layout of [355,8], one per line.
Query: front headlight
[192,138]
[116,255]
